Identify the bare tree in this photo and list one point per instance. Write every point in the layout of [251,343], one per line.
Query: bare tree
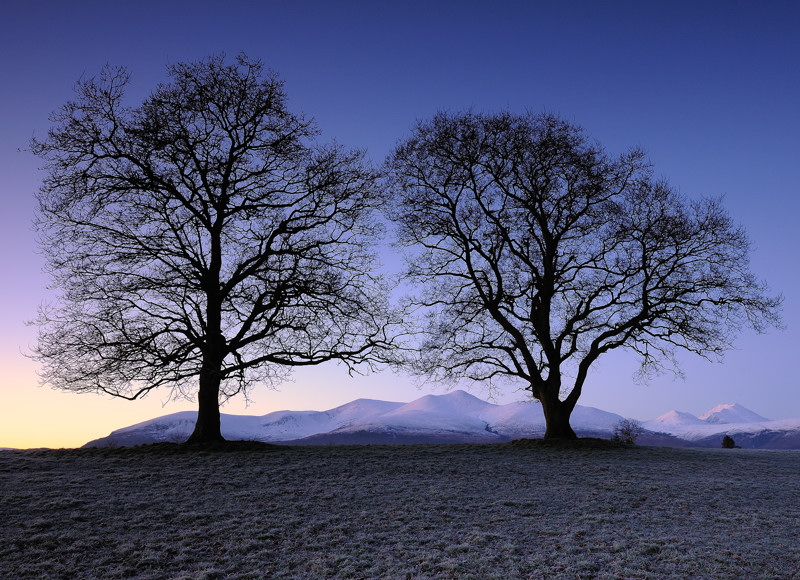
[627,431]
[539,252]
[202,235]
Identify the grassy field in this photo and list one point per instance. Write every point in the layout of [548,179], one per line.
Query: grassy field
[427,511]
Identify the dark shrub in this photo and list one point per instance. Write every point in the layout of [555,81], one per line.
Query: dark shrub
[627,431]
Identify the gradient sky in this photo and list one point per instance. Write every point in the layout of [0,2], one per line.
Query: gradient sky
[710,89]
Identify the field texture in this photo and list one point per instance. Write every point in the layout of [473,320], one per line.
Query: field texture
[426,511]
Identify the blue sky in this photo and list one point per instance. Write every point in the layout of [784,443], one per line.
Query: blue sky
[710,89]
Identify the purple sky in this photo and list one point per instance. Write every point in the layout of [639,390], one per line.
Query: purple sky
[710,89]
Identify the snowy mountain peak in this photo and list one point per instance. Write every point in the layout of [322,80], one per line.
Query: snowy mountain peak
[731,413]
[456,401]
[360,408]
[677,418]
[458,417]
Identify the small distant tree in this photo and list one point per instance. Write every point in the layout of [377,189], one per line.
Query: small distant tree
[203,240]
[536,253]
[728,442]
[627,431]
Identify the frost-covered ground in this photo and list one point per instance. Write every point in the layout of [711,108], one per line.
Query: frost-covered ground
[438,511]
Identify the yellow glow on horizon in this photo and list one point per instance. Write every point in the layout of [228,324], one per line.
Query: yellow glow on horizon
[37,417]
[33,417]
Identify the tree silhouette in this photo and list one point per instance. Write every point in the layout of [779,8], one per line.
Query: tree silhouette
[627,431]
[539,252]
[202,236]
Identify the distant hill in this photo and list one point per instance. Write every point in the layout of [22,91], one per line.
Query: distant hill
[731,413]
[459,417]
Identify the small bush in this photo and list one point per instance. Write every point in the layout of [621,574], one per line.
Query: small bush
[627,431]
[728,442]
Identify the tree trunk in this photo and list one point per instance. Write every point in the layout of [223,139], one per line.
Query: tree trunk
[207,429]
[556,417]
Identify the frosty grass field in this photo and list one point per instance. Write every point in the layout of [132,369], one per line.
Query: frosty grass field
[420,511]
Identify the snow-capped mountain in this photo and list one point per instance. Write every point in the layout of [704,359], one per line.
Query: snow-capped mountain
[747,428]
[731,413]
[461,417]
[276,426]
[454,417]
[675,419]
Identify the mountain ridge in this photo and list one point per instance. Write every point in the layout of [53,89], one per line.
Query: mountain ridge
[460,417]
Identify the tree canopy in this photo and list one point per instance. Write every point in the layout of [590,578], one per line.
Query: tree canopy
[535,252]
[203,235]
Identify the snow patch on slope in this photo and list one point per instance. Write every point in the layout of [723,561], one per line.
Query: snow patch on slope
[593,419]
[676,419]
[457,412]
[515,420]
[289,425]
[731,413]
